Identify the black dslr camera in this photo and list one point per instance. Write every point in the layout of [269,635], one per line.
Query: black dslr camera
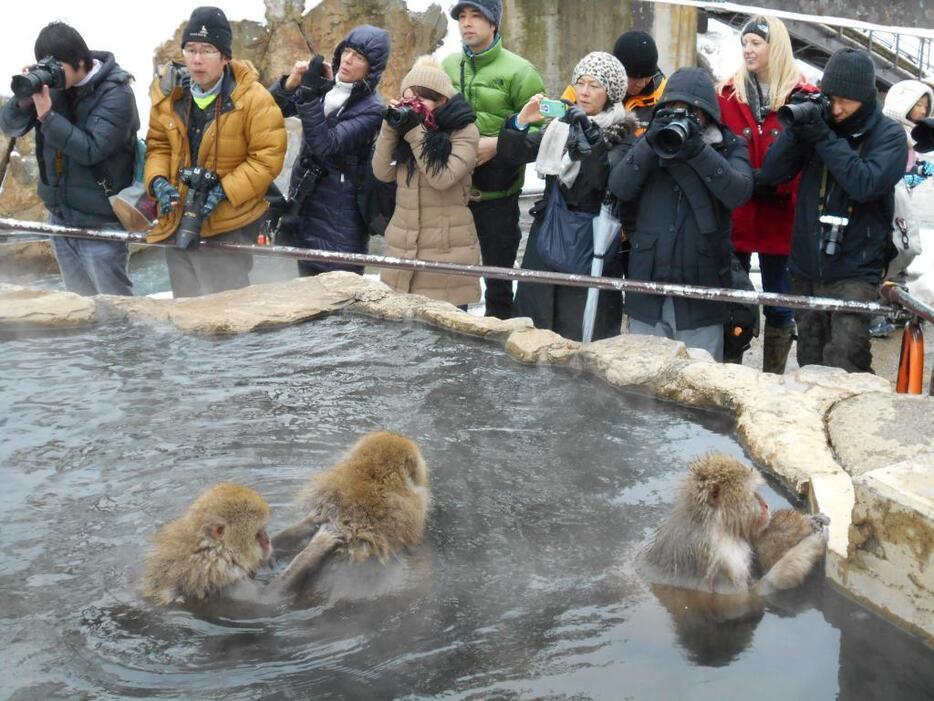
[47,72]
[397,116]
[200,182]
[804,108]
[671,137]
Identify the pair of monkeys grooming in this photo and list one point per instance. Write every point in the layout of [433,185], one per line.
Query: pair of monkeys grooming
[373,505]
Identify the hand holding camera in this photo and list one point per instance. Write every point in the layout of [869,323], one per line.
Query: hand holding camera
[675,134]
[807,115]
[314,81]
[166,195]
[216,195]
[47,72]
[201,182]
[403,116]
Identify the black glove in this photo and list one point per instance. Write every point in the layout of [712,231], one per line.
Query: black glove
[693,142]
[314,84]
[763,192]
[811,131]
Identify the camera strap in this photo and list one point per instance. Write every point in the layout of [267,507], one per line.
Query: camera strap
[822,197]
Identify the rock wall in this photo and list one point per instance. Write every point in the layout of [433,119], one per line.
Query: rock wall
[18,198]
[289,34]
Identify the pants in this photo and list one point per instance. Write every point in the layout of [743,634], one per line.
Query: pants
[836,339]
[497,224]
[92,267]
[710,338]
[203,272]
[775,278]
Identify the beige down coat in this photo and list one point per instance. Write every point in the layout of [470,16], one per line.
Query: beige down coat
[431,220]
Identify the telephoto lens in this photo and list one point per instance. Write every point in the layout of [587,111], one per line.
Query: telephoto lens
[200,181]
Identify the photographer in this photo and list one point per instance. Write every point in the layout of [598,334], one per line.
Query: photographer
[851,156]
[683,177]
[216,141]
[82,107]
[340,118]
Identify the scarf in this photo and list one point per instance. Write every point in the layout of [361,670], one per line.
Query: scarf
[436,144]
[335,98]
[203,98]
[614,125]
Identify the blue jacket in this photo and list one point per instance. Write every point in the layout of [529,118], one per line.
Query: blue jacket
[341,143]
[862,170]
[88,136]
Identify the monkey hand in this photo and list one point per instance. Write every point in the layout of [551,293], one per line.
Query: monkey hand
[328,537]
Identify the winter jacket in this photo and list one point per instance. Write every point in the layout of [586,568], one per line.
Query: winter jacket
[862,170]
[245,146]
[902,98]
[561,309]
[682,229]
[89,134]
[341,144]
[762,225]
[431,220]
[497,83]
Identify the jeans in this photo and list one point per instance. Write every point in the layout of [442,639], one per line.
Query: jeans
[204,272]
[92,267]
[710,338]
[836,339]
[497,223]
[775,278]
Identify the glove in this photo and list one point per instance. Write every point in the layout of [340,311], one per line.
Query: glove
[811,131]
[314,84]
[166,195]
[694,144]
[763,192]
[214,198]
[575,115]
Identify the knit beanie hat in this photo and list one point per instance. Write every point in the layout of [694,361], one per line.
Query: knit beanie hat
[851,75]
[491,9]
[209,25]
[756,25]
[607,69]
[428,73]
[637,52]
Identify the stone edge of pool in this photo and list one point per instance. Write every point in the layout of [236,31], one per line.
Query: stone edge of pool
[853,448]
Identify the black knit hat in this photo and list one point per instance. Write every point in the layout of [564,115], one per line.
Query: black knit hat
[637,52]
[209,25]
[850,74]
[491,9]
[693,86]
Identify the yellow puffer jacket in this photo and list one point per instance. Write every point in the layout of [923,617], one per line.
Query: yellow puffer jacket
[249,151]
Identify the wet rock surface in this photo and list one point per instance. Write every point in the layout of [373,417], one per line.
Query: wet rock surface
[22,308]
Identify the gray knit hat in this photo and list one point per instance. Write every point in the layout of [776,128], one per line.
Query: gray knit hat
[491,9]
[608,70]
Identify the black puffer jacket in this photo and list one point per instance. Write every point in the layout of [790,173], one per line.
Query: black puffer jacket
[93,128]
[671,242]
[864,161]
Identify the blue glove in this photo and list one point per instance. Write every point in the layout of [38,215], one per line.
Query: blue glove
[213,199]
[166,195]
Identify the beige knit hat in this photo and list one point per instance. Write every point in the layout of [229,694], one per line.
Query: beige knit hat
[428,73]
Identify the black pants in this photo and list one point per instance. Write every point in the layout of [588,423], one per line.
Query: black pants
[497,224]
[836,339]
[202,272]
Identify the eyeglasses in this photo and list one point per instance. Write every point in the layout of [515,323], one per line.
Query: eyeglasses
[207,53]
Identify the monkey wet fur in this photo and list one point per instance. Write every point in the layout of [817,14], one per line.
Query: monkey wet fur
[707,542]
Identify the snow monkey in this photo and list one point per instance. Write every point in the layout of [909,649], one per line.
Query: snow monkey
[707,542]
[218,544]
[375,499]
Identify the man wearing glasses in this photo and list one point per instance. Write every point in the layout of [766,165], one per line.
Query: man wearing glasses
[214,113]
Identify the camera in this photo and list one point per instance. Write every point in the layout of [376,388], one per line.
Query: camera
[805,108]
[833,228]
[47,72]
[671,137]
[200,182]
[397,116]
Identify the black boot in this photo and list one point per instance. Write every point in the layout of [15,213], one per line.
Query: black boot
[775,348]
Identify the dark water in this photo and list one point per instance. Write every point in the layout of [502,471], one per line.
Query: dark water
[545,484]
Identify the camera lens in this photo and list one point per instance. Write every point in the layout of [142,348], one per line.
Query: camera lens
[789,115]
[671,137]
[24,86]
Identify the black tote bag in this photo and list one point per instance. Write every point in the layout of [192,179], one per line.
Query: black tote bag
[565,238]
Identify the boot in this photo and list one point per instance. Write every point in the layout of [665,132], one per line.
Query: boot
[775,348]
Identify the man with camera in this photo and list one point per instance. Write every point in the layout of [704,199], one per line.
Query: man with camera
[851,156]
[682,178]
[82,108]
[497,83]
[216,141]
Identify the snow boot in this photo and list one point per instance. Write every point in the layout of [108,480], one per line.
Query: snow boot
[775,348]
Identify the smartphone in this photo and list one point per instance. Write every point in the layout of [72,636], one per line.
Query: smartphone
[552,108]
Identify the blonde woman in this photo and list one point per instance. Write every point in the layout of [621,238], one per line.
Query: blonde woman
[748,103]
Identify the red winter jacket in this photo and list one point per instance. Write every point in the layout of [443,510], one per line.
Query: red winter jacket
[762,225]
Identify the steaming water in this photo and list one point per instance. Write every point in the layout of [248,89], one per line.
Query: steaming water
[545,482]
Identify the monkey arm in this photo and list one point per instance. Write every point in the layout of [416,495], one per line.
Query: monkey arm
[289,538]
[792,568]
[307,561]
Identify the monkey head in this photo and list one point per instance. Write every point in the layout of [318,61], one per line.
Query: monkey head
[721,491]
[234,517]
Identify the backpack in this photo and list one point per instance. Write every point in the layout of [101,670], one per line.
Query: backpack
[906,232]
[376,200]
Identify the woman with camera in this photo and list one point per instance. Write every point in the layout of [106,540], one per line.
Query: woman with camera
[598,116]
[428,147]
[340,112]
[749,102]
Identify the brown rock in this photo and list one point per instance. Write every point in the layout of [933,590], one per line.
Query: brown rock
[23,308]
[18,197]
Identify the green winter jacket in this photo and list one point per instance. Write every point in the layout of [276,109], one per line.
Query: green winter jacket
[497,83]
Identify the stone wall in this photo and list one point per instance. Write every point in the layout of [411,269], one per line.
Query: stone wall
[18,198]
